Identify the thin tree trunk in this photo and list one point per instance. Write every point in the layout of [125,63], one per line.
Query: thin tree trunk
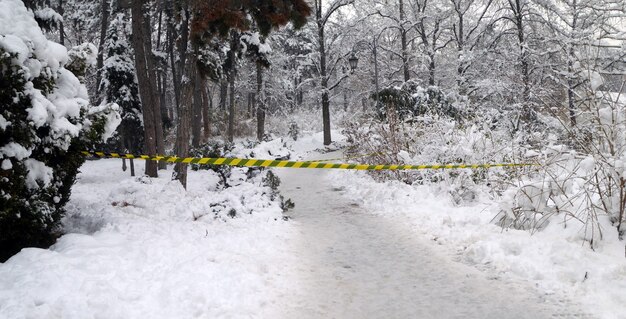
[170,50]
[231,109]
[152,74]
[528,114]
[196,121]
[403,41]
[570,69]
[324,78]
[182,46]
[232,72]
[207,105]
[260,107]
[184,123]
[144,85]
[104,24]
[132,167]
[61,29]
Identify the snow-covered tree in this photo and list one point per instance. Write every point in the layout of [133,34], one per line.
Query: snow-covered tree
[45,122]
[119,84]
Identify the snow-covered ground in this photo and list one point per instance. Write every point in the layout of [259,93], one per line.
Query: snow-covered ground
[555,260]
[353,248]
[145,248]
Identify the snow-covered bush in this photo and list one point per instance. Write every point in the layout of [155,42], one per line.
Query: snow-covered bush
[45,121]
[411,99]
[438,139]
[582,185]
[214,149]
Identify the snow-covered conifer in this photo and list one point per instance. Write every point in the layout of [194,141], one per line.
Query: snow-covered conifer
[45,121]
[119,84]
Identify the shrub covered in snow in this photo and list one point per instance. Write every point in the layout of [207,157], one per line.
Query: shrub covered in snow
[435,139]
[582,185]
[411,99]
[45,121]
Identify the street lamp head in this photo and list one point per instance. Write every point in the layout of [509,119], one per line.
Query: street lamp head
[353,61]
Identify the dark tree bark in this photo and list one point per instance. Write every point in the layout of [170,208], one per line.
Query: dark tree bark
[232,72]
[321,18]
[145,88]
[231,109]
[223,93]
[196,120]
[207,105]
[528,113]
[184,122]
[60,11]
[324,78]
[260,107]
[403,42]
[171,39]
[155,104]
[104,25]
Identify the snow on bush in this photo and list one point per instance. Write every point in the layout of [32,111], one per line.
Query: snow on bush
[582,186]
[45,121]
[435,139]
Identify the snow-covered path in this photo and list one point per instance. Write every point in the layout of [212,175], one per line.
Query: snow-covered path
[352,264]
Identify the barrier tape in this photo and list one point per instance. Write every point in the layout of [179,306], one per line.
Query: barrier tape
[253,162]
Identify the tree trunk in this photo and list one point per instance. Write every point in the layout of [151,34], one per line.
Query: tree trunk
[324,79]
[145,89]
[182,47]
[223,93]
[170,50]
[152,74]
[232,72]
[184,123]
[207,105]
[104,24]
[196,122]
[260,107]
[528,114]
[570,69]
[132,167]
[231,109]
[403,41]
[61,29]
[431,68]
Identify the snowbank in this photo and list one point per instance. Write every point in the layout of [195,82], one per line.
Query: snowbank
[145,248]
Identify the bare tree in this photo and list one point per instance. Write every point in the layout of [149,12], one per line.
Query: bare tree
[321,19]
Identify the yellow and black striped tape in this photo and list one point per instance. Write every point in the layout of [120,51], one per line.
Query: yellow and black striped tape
[253,162]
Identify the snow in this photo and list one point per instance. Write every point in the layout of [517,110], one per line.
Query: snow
[15,150]
[354,264]
[554,260]
[14,44]
[596,80]
[353,247]
[111,111]
[141,247]
[6,165]
[37,171]
[48,14]
[4,123]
